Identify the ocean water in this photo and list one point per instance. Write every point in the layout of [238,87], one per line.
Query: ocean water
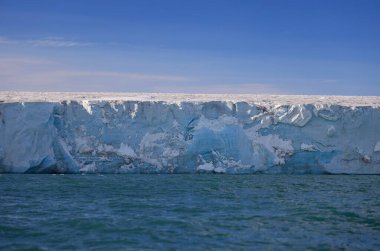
[189,212]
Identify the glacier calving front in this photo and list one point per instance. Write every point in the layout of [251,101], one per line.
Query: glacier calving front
[187,137]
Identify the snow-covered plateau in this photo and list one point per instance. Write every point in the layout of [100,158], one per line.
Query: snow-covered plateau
[182,133]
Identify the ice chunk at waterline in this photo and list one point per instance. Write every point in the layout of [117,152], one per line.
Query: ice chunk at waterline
[174,133]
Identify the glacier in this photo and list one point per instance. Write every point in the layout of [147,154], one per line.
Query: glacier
[182,133]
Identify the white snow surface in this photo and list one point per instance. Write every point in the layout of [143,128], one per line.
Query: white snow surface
[259,99]
[52,132]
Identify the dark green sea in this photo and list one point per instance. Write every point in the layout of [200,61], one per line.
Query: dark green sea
[189,212]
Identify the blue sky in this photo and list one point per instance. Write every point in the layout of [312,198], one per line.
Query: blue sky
[329,47]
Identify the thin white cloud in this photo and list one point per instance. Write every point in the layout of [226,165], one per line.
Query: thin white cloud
[108,78]
[23,61]
[35,74]
[121,75]
[330,81]
[4,40]
[226,88]
[40,74]
[57,42]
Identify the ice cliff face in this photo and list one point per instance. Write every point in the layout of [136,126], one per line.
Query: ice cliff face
[186,137]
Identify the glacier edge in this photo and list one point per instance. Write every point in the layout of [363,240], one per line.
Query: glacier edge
[129,136]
